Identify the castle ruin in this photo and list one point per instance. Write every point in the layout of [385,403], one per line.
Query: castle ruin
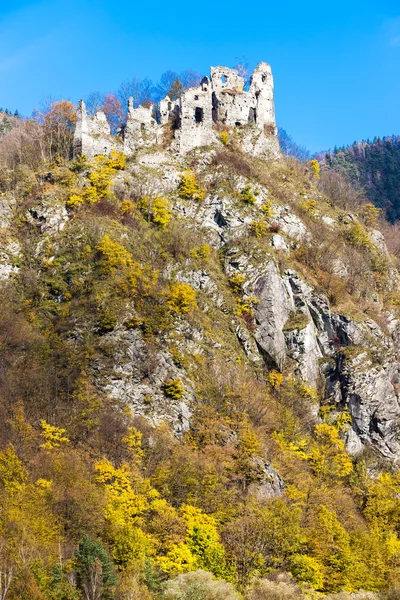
[193,120]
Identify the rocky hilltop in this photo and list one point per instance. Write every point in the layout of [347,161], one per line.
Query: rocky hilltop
[200,362]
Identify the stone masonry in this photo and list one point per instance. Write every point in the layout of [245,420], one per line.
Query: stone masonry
[193,120]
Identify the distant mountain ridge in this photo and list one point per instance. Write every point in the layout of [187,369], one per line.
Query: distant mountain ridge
[373,167]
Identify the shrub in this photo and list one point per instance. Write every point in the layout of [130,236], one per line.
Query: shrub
[203,251]
[80,164]
[357,235]
[309,205]
[117,160]
[127,207]
[236,282]
[275,379]
[315,167]
[264,589]
[114,255]
[173,389]
[266,208]
[198,585]
[259,228]
[181,298]
[370,214]
[188,186]
[75,200]
[158,210]
[224,137]
[247,195]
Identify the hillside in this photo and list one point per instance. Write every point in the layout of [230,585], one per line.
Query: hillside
[374,169]
[199,376]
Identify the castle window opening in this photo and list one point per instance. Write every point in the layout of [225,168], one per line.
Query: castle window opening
[237,124]
[196,97]
[169,105]
[224,78]
[142,126]
[198,114]
[252,115]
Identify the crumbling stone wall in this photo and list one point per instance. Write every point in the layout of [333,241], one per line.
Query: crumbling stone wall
[195,124]
[141,128]
[92,133]
[234,107]
[193,118]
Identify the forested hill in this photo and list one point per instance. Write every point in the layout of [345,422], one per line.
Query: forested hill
[199,374]
[374,167]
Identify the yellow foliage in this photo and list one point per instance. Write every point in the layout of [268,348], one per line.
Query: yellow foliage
[328,456]
[203,251]
[178,559]
[133,440]
[315,167]
[275,379]
[53,436]
[236,282]
[158,210]
[12,472]
[75,200]
[181,298]
[188,186]
[259,228]
[307,569]
[117,160]
[173,388]
[114,254]
[357,235]
[266,208]
[127,207]
[370,214]
[246,305]
[161,212]
[309,205]
[124,505]
[224,137]
[307,391]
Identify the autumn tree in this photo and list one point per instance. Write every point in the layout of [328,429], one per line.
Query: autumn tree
[59,126]
[114,111]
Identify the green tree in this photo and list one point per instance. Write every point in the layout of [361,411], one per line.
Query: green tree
[95,573]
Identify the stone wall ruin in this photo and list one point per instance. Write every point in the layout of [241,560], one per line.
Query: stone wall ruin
[193,120]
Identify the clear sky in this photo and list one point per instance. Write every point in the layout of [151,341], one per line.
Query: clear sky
[336,64]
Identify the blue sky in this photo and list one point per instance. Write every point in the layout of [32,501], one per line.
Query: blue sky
[336,64]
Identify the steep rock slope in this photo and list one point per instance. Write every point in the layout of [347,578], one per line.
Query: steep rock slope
[208,332]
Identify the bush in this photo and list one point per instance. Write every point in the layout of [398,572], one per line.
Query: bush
[247,195]
[173,389]
[224,137]
[181,298]
[259,228]
[264,589]
[198,585]
[315,167]
[158,210]
[189,188]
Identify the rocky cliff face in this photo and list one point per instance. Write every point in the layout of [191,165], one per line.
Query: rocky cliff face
[350,358]
[295,291]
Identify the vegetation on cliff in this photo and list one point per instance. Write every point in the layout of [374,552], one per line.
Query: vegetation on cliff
[250,493]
